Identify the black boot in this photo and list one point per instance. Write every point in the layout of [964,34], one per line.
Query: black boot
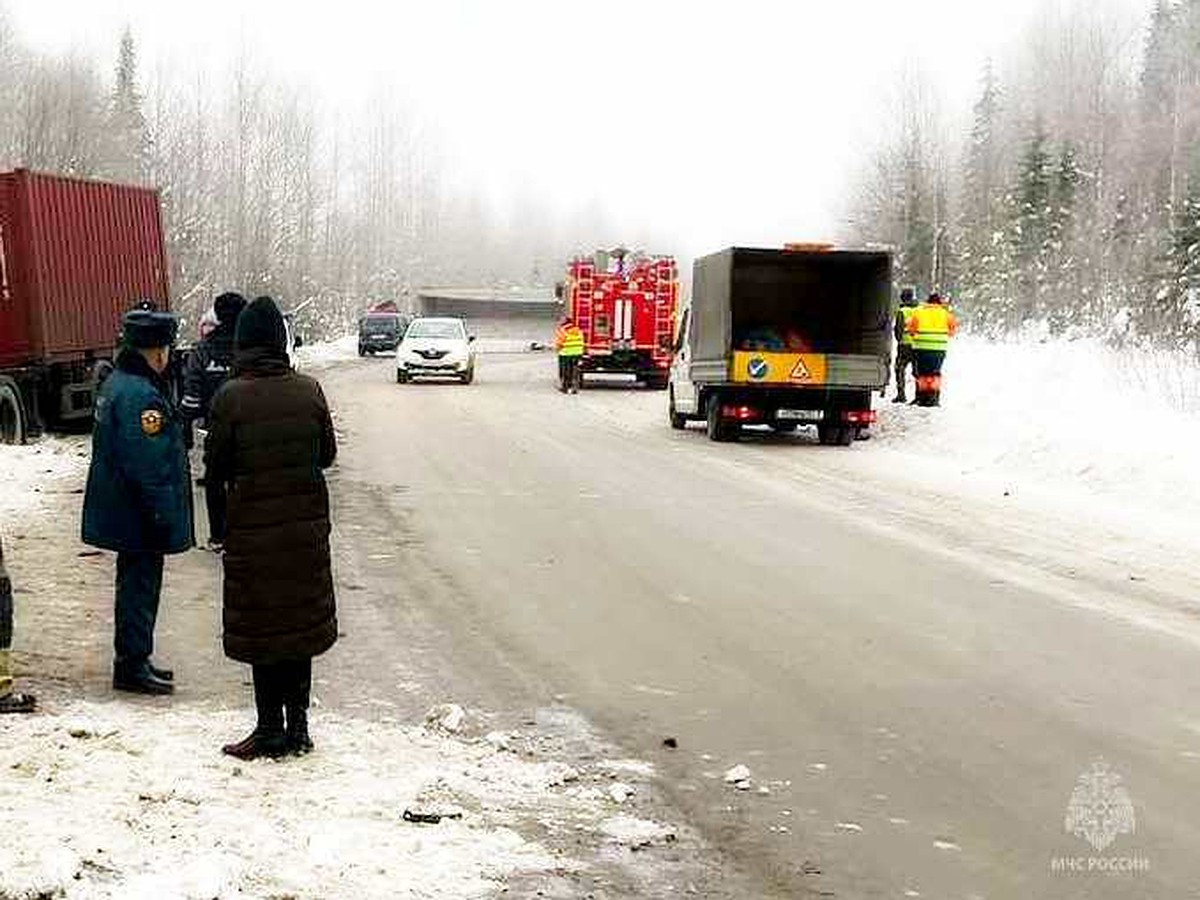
[298,740]
[138,678]
[258,744]
[161,674]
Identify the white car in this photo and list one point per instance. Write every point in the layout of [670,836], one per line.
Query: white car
[438,348]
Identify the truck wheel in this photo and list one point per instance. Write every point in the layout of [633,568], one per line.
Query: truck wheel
[401,377]
[655,381]
[719,430]
[678,422]
[12,414]
[835,435]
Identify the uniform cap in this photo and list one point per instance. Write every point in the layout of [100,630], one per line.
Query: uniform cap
[144,329]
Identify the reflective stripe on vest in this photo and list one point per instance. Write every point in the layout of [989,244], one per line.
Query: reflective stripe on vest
[907,313]
[932,327]
[571,342]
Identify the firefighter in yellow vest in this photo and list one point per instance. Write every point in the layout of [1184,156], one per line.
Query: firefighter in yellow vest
[905,356]
[571,346]
[932,326]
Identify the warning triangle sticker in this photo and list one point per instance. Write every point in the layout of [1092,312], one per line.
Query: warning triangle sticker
[801,373]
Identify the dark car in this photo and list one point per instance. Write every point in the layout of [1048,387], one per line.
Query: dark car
[380,331]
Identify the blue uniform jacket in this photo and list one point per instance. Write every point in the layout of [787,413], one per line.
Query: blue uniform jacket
[139,489]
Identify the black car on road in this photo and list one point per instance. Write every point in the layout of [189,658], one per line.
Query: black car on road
[380,331]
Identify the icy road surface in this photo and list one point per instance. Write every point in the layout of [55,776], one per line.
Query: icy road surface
[917,671]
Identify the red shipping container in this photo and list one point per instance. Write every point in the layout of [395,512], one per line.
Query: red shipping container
[74,257]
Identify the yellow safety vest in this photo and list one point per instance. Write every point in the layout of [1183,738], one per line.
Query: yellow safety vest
[571,341]
[932,327]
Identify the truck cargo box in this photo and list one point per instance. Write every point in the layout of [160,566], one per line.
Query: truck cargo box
[787,316]
[74,256]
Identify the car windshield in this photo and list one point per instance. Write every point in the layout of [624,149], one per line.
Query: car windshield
[434,329]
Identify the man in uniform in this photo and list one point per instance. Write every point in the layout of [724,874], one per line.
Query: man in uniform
[931,326]
[905,355]
[571,346]
[139,499]
[208,367]
[10,701]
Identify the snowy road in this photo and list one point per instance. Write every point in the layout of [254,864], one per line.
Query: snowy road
[917,670]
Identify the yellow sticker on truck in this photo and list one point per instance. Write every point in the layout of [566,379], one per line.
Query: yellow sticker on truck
[764,367]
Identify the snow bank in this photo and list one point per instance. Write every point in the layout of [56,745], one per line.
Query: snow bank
[1067,416]
[27,473]
[326,353]
[129,800]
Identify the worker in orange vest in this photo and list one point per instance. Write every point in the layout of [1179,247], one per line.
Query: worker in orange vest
[571,346]
[931,326]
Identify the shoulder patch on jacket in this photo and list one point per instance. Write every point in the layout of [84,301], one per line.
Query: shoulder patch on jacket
[152,421]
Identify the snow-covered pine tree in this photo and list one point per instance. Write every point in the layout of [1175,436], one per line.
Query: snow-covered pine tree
[981,256]
[1029,233]
[128,148]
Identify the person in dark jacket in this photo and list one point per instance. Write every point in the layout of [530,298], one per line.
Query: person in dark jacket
[11,701]
[270,436]
[139,500]
[208,366]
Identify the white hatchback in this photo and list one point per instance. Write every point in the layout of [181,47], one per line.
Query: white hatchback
[436,348]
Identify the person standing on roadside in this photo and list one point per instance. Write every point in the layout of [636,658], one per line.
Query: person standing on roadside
[932,327]
[209,365]
[11,701]
[905,355]
[138,501]
[270,436]
[571,345]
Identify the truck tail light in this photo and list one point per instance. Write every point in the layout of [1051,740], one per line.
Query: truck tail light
[740,413]
[859,416]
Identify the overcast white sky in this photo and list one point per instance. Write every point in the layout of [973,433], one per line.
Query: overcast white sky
[718,122]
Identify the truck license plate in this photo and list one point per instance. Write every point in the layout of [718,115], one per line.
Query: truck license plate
[801,415]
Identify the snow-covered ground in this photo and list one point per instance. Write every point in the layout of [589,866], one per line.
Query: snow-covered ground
[135,801]
[1067,418]
[325,353]
[28,472]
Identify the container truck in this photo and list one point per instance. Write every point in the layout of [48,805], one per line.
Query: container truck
[783,338]
[74,257]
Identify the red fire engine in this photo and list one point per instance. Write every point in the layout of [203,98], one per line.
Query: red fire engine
[625,306]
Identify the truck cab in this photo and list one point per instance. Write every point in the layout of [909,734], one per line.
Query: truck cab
[783,339]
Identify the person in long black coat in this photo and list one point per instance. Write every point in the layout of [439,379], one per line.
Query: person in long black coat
[270,437]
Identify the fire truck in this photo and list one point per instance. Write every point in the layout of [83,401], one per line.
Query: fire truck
[625,305]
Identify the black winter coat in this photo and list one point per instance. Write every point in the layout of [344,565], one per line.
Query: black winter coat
[139,487]
[209,365]
[270,436]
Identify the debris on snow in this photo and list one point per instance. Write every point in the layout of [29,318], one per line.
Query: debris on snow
[739,776]
[561,774]
[637,834]
[620,792]
[446,717]
[427,817]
